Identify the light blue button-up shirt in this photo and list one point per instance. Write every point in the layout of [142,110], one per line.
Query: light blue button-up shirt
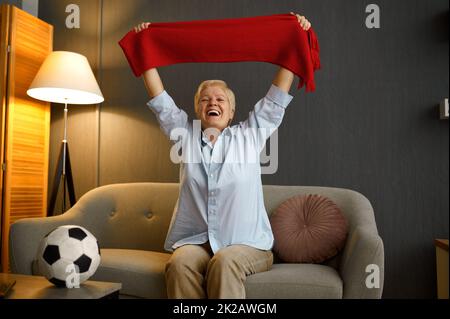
[220,197]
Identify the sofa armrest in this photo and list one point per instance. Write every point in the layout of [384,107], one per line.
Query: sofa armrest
[363,248]
[25,236]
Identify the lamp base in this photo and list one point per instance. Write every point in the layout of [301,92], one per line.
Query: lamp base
[64,170]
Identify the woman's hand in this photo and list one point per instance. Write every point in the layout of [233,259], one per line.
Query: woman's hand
[304,23]
[142,26]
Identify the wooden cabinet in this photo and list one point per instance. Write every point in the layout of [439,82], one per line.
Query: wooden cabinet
[25,122]
[442,267]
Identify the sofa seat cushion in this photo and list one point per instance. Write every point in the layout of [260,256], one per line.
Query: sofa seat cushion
[295,281]
[140,272]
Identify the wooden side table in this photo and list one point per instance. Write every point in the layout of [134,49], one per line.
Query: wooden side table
[442,267]
[37,287]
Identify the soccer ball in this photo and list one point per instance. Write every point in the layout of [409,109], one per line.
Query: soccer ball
[68,256]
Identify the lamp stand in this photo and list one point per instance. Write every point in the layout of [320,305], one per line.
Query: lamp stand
[64,171]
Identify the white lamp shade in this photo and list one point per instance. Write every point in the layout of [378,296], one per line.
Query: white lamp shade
[66,77]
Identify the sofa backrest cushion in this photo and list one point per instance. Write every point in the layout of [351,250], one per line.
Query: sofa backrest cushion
[129,216]
[137,215]
[308,229]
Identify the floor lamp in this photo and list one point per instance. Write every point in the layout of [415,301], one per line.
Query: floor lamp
[65,77]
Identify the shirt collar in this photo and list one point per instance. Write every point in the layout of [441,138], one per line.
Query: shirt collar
[227,131]
[205,140]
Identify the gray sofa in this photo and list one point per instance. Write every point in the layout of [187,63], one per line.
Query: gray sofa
[131,220]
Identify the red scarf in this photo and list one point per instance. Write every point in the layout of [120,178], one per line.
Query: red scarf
[277,39]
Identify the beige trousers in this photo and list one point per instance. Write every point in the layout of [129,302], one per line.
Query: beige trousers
[194,272]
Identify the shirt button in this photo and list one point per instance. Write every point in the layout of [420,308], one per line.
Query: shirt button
[212,192]
[211,175]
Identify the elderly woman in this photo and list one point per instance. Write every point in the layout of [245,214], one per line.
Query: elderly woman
[220,232]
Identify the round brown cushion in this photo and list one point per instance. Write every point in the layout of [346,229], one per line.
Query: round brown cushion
[308,229]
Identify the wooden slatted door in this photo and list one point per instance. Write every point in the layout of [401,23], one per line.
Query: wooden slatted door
[4,40]
[27,126]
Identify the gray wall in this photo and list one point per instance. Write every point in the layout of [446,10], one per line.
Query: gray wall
[372,125]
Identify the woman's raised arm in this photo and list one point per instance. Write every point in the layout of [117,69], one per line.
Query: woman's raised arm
[153,82]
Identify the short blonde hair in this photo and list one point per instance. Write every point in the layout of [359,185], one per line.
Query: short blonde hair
[219,83]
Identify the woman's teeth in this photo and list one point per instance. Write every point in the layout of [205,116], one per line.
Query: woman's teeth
[213,113]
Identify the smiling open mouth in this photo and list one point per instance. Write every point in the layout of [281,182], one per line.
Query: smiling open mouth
[213,113]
